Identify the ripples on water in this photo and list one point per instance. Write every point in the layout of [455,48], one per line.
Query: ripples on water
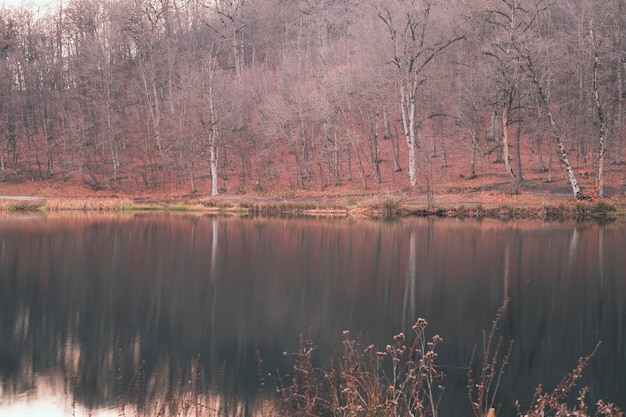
[87,301]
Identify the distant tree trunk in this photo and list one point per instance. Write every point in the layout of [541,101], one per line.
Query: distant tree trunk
[192,176]
[505,147]
[518,156]
[601,119]
[389,136]
[304,149]
[621,67]
[494,136]
[550,161]
[474,153]
[359,163]
[582,129]
[542,166]
[375,157]
[214,128]
[335,160]
[442,145]
[153,102]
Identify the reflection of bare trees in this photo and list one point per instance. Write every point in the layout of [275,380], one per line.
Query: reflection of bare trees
[410,295]
[572,255]
[165,289]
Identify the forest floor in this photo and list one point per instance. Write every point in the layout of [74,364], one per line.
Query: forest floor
[456,195]
[455,192]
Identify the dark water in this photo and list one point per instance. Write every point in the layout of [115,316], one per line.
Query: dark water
[85,301]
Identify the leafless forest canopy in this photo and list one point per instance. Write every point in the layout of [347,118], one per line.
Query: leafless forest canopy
[262,94]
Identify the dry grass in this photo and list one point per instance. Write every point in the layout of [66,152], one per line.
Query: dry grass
[400,380]
[376,206]
[403,380]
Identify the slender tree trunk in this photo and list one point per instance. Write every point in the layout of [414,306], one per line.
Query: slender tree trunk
[4,175]
[621,68]
[407,101]
[494,136]
[473,157]
[601,119]
[359,163]
[193,176]
[518,157]
[214,132]
[115,162]
[154,110]
[336,160]
[505,148]
[542,166]
[375,153]
[388,135]
[442,145]
[583,120]
[543,98]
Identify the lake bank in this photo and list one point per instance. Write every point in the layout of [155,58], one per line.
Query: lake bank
[489,205]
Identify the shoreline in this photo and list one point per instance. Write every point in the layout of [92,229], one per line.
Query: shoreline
[371,206]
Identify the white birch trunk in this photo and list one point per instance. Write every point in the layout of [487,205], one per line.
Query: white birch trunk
[408,122]
[214,136]
[543,98]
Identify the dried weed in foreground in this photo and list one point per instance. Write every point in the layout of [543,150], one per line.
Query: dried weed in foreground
[482,394]
[402,380]
[555,402]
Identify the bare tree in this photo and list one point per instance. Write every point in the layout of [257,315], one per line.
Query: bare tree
[519,20]
[601,116]
[414,44]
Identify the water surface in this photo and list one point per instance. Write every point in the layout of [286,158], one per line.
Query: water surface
[87,300]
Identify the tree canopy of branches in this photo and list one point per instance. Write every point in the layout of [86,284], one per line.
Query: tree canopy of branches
[156,94]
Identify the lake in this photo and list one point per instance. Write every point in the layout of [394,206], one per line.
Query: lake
[93,307]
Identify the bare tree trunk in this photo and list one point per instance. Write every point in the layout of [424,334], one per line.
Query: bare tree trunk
[154,109]
[583,123]
[375,152]
[335,160]
[505,148]
[115,161]
[214,131]
[408,27]
[388,135]
[602,131]
[193,176]
[494,136]
[474,153]
[4,175]
[442,145]
[358,151]
[376,140]
[543,98]
[305,174]
[621,67]
[542,166]
[518,157]
[407,103]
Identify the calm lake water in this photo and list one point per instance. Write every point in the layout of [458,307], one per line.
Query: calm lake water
[86,302]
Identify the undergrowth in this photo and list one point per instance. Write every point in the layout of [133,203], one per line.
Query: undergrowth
[404,380]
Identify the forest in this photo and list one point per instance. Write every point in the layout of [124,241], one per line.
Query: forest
[236,96]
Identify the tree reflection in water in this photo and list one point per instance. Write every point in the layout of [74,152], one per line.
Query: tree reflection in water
[177,295]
